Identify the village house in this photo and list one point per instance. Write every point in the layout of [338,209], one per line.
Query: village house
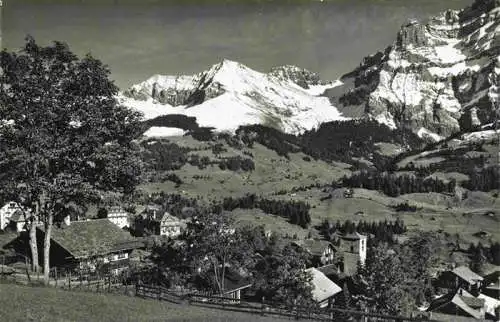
[491,284]
[234,284]
[171,226]
[323,289]
[118,216]
[459,303]
[461,277]
[322,251]
[152,212]
[90,245]
[6,213]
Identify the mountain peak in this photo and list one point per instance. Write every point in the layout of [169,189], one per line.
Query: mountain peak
[230,94]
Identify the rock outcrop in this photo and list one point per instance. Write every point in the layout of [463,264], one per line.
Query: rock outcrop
[300,76]
[437,77]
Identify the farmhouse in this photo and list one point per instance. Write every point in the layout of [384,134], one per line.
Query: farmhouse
[324,290]
[118,216]
[89,246]
[234,283]
[6,213]
[322,251]
[461,277]
[171,226]
[460,303]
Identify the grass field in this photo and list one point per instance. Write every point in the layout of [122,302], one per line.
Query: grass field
[274,174]
[23,303]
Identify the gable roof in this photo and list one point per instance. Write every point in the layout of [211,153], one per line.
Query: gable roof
[233,281]
[461,299]
[93,237]
[467,275]
[314,246]
[323,287]
[168,218]
[490,303]
[353,236]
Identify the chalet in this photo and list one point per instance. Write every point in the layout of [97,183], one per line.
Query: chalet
[491,307]
[171,226]
[89,246]
[323,289]
[491,284]
[152,212]
[459,303]
[461,277]
[6,213]
[118,216]
[234,284]
[322,251]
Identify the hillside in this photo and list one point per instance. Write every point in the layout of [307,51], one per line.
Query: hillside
[421,143]
[22,303]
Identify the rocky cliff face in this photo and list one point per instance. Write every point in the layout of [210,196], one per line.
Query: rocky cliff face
[437,78]
[300,76]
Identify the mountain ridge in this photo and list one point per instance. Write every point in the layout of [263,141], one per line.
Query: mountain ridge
[242,95]
[437,77]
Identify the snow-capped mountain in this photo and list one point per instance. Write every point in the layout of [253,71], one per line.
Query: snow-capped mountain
[437,78]
[230,94]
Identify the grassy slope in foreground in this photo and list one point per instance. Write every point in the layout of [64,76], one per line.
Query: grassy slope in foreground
[22,303]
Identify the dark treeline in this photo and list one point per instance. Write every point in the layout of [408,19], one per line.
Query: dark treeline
[381,231]
[237,163]
[484,179]
[480,254]
[164,155]
[332,141]
[297,212]
[394,185]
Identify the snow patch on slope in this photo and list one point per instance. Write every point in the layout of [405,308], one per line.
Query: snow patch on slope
[249,97]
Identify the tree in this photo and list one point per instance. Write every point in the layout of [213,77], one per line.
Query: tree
[382,283]
[64,138]
[280,275]
[214,246]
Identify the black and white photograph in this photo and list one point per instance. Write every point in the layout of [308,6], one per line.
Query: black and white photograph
[249,160]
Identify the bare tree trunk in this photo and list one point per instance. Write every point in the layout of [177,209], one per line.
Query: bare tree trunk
[46,248]
[33,246]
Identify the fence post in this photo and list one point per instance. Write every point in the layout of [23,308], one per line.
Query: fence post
[55,276]
[159,293]
[109,284]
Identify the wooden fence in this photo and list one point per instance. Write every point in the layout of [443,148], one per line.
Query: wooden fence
[231,304]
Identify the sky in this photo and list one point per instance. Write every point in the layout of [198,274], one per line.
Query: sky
[140,38]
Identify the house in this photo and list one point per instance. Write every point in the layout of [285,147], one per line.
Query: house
[322,251]
[152,212]
[491,284]
[88,246]
[461,277]
[491,306]
[118,216]
[6,213]
[323,289]
[234,284]
[459,303]
[171,226]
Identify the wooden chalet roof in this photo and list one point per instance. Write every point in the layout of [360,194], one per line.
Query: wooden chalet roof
[466,274]
[93,237]
[314,246]
[461,299]
[323,287]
